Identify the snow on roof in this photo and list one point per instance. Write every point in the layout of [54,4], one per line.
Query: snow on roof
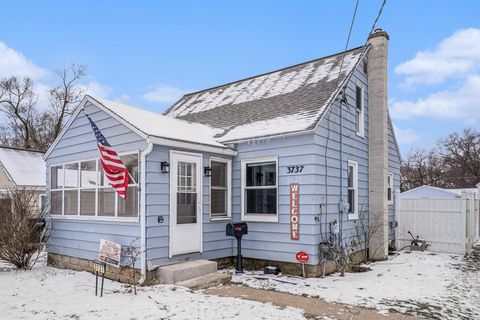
[288,100]
[460,191]
[26,168]
[435,192]
[157,125]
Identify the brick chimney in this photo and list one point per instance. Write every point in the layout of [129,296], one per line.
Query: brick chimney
[378,144]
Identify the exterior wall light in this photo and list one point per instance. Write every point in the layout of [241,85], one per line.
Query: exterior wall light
[165,167]
[207,171]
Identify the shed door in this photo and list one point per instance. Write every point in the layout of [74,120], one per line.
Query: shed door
[185,203]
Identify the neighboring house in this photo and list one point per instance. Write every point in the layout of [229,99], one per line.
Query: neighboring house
[23,169]
[232,153]
[447,219]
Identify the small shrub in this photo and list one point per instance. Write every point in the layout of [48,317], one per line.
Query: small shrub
[23,231]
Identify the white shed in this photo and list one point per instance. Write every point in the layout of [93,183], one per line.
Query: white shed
[447,219]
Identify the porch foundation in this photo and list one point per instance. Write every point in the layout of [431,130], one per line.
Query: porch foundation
[290,268]
[125,274]
[122,274]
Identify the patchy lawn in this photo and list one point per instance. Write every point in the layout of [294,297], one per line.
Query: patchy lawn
[436,286]
[49,293]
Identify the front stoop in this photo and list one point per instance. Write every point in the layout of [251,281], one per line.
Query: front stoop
[185,271]
[206,281]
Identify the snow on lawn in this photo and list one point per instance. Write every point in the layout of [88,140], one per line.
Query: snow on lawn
[49,293]
[437,286]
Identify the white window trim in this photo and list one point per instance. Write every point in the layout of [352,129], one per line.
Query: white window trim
[257,217]
[390,174]
[95,217]
[361,121]
[229,189]
[354,215]
[40,196]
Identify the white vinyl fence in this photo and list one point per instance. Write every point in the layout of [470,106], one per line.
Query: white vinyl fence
[448,225]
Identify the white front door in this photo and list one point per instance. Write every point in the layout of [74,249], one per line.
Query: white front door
[185,203]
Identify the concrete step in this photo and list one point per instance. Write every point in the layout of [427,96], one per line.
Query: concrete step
[185,270]
[206,281]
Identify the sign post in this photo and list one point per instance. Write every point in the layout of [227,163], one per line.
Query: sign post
[108,253]
[99,267]
[302,257]
[294,212]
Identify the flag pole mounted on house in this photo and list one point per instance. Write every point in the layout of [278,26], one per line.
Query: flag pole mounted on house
[115,170]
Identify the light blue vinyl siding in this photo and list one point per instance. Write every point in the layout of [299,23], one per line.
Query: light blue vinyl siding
[81,237]
[355,148]
[215,243]
[393,167]
[271,240]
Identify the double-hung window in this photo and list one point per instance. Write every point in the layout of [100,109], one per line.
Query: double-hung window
[80,189]
[260,189]
[352,189]
[390,188]
[359,111]
[220,186]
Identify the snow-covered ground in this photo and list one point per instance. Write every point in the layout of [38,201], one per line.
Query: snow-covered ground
[438,286]
[49,293]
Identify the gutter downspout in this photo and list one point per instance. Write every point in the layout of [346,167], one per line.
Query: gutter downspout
[143,212]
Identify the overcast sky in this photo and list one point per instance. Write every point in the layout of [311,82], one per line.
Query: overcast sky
[149,53]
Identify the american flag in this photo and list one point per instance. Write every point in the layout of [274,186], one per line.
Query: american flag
[115,171]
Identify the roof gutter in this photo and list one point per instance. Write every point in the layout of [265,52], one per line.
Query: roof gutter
[143,212]
[195,146]
[280,135]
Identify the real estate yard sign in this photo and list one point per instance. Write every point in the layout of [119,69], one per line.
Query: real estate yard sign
[110,252]
[294,212]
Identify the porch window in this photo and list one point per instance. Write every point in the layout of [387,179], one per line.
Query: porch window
[352,189]
[390,188]
[359,111]
[260,186]
[220,186]
[80,189]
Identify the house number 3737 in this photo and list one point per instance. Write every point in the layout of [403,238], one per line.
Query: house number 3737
[294,169]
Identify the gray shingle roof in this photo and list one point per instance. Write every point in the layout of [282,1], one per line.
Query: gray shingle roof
[289,100]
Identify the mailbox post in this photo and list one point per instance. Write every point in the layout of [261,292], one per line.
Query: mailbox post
[237,230]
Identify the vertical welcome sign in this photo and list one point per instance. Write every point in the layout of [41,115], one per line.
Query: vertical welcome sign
[294,212]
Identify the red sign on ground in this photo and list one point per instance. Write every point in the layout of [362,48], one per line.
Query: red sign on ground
[294,212]
[302,256]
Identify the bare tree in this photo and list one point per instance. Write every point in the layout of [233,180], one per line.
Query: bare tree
[65,95]
[423,167]
[461,154]
[17,101]
[29,128]
[454,163]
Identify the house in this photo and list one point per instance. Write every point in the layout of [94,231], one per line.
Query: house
[23,169]
[447,219]
[236,152]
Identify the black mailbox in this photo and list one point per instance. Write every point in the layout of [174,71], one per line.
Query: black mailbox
[236,229]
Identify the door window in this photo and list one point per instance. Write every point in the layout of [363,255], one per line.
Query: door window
[186,193]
